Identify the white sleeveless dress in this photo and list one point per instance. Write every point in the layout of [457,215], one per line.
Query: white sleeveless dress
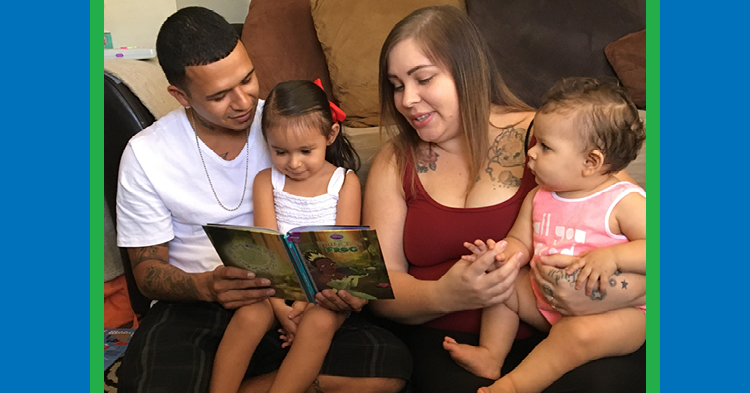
[293,210]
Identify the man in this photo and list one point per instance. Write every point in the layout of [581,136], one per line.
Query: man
[194,166]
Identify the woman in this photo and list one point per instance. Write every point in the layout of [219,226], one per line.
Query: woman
[454,171]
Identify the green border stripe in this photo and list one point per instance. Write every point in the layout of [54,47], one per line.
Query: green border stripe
[652,149]
[96,197]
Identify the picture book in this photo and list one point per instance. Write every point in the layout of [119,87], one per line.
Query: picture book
[115,343]
[307,260]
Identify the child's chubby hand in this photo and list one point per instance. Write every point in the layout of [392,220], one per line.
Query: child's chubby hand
[289,319]
[479,248]
[596,267]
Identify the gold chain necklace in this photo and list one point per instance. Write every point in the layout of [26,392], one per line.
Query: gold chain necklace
[247,163]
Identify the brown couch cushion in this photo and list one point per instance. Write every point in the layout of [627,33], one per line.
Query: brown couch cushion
[352,34]
[537,42]
[628,57]
[280,38]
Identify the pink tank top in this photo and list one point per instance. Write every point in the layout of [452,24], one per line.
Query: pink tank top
[572,226]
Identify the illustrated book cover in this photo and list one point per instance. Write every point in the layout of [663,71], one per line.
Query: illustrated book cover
[307,260]
[115,343]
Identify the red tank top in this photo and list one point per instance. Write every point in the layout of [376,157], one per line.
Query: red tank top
[434,235]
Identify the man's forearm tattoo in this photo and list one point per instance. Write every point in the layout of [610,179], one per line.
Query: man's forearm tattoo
[170,283]
[506,151]
[150,253]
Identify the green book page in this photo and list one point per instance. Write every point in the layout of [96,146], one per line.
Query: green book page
[261,252]
[345,259]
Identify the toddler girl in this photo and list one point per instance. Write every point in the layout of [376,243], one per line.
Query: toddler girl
[585,133]
[311,183]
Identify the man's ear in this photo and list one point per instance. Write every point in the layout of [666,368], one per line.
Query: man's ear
[335,129]
[179,95]
[593,163]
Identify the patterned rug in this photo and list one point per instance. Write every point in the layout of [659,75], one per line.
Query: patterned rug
[110,377]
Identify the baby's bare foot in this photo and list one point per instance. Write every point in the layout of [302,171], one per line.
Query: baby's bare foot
[477,360]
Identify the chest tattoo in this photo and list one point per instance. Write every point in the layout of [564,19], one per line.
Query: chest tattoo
[427,161]
[506,152]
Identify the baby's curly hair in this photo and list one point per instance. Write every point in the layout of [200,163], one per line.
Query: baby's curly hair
[607,117]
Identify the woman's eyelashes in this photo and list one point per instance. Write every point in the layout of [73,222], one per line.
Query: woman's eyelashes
[423,81]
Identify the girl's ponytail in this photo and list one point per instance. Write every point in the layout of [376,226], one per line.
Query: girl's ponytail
[342,153]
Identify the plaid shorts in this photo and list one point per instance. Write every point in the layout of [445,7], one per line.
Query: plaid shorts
[174,347]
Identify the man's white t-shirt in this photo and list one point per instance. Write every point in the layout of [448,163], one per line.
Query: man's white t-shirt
[163,194]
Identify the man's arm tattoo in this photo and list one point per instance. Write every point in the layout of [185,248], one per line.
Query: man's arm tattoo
[150,253]
[163,281]
[170,283]
[506,151]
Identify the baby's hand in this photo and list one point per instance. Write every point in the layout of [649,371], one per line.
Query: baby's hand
[596,267]
[479,248]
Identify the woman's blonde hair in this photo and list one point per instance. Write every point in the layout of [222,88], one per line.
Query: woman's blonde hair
[452,41]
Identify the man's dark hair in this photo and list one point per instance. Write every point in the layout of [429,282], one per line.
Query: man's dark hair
[193,36]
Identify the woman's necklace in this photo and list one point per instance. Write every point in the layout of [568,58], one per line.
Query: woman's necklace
[247,161]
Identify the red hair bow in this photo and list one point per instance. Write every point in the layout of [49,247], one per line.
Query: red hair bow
[336,112]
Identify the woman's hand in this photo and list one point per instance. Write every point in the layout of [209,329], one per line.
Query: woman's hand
[470,285]
[550,274]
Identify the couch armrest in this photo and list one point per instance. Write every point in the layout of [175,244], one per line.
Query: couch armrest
[124,116]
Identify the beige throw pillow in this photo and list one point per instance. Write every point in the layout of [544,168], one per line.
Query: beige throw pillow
[351,33]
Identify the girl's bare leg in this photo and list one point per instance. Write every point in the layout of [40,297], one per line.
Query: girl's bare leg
[572,342]
[305,358]
[247,327]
